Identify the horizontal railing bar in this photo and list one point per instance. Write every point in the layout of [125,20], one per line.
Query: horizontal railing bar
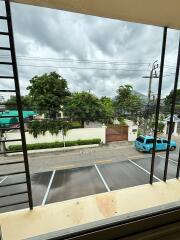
[8,90]
[7,77]
[4,33]
[8,129]
[5,63]
[10,116]
[10,152]
[3,18]
[12,184]
[5,48]
[10,174]
[10,163]
[14,204]
[13,194]
[11,140]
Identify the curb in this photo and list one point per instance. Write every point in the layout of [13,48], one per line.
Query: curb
[49,150]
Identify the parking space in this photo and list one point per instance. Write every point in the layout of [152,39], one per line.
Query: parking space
[61,185]
[159,167]
[74,183]
[123,175]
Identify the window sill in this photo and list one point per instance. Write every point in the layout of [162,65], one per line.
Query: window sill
[24,224]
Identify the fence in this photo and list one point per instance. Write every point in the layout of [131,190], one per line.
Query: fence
[71,135]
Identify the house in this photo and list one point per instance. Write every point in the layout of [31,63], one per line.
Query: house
[10,117]
[176,125]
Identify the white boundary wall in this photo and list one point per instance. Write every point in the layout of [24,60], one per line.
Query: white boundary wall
[71,135]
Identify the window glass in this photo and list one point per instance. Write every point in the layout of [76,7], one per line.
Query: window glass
[159,141]
[140,139]
[149,141]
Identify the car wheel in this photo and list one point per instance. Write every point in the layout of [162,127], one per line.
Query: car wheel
[172,148]
[151,150]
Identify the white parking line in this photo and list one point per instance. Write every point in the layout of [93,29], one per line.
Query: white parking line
[137,165]
[102,178]
[48,188]
[3,180]
[169,159]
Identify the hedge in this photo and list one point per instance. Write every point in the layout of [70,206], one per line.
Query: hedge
[55,144]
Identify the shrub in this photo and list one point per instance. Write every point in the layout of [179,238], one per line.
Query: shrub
[36,146]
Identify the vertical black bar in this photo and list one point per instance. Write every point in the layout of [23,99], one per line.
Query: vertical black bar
[177,76]
[172,114]
[158,102]
[18,99]
[178,166]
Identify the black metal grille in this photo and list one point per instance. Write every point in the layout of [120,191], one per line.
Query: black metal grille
[172,111]
[16,90]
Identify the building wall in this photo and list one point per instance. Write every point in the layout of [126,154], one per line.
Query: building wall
[132,131]
[71,135]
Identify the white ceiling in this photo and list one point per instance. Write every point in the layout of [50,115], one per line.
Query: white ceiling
[153,12]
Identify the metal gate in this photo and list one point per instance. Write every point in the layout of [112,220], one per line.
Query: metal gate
[116,133]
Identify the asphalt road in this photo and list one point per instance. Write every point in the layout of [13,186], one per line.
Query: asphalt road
[61,185]
[62,160]
[64,176]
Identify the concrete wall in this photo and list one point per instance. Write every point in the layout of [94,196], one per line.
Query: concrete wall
[71,135]
[132,130]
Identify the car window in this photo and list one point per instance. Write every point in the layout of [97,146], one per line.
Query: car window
[165,141]
[159,141]
[140,139]
[149,141]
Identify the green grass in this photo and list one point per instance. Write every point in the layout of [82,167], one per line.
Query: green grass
[36,146]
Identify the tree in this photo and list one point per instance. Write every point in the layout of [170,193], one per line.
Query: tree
[168,102]
[11,103]
[126,102]
[48,92]
[108,109]
[84,106]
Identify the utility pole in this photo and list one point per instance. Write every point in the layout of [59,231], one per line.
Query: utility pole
[152,75]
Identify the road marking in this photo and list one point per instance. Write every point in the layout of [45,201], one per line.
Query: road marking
[65,167]
[48,188]
[137,165]
[137,156]
[103,161]
[102,178]
[169,159]
[3,179]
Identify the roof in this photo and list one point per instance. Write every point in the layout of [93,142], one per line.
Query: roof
[164,13]
[175,118]
[12,120]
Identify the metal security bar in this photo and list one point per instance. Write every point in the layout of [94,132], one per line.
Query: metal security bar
[172,114]
[158,102]
[170,129]
[15,77]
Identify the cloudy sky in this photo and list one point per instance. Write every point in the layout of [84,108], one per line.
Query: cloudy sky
[92,53]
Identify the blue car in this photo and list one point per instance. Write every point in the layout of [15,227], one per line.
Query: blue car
[145,144]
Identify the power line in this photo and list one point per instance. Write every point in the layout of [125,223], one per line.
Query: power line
[78,60]
[86,68]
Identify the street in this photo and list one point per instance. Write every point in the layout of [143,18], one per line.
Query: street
[43,162]
[66,175]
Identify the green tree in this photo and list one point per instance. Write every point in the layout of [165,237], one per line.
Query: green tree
[168,101]
[126,102]
[84,106]
[47,93]
[12,105]
[108,109]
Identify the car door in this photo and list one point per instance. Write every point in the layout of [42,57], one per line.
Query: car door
[159,145]
[164,143]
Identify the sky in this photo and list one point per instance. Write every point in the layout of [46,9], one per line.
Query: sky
[92,53]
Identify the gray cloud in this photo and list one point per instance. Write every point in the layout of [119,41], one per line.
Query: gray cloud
[46,33]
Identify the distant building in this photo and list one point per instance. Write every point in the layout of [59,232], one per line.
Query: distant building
[176,125]
[10,117]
